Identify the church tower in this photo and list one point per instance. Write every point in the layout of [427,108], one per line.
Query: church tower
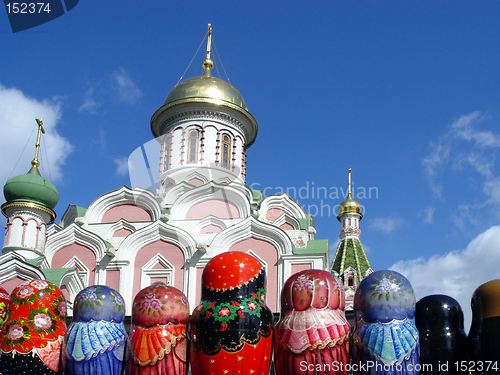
[204,128]
[350,262]
[29,207]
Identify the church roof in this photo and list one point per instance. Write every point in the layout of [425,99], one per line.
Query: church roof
[350,253]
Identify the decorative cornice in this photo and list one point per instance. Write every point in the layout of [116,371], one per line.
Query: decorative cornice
[32,205]
[190,115]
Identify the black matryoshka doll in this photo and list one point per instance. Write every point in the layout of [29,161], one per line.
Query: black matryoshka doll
[483,344]
[231,329]
[443,343]
[385,339]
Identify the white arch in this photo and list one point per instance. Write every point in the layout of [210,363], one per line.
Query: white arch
[137,196]
[282,202]
[229,193]
[75,234]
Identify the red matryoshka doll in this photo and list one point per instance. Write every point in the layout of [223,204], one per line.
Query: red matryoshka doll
[157,341]
[483,344]
[231,329]
[4,305]
[34,330]
[312,335]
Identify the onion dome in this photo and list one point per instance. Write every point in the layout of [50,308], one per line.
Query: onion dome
[205,89]
[31,189]
[350,206]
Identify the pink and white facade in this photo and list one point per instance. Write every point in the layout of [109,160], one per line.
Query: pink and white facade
[132,237]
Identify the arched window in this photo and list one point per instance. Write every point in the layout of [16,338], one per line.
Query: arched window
[167,152]
[226,150]
[350,281]
[193,146]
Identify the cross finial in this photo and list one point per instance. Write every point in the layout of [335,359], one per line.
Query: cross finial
[208,64]
[209,41]
[349,179]
[35,162]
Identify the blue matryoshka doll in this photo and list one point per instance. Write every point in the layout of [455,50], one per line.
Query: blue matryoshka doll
[95,341]
[385,339]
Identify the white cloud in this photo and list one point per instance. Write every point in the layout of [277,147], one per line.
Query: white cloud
[121,166]
[386,225]
[467,147]
[457,273]
[427,214]
[125,87]
[17,123]
[89,105]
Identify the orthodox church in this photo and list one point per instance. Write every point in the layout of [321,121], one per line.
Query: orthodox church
[132,237]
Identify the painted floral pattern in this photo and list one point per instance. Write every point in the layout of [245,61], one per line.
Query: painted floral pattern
[37,317]
[97,303]
[42,321]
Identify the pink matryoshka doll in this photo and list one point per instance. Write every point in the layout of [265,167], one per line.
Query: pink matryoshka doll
[34,329]
[231,328]
[312,335]
[157,341]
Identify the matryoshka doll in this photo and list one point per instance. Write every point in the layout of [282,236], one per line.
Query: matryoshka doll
[385,339]
[4,305]
[231,329]
[95,341]
[157,341]
[443,343]
[312,335]
[34,329]
[483,345]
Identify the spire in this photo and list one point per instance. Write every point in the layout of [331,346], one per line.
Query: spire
[35,163]
[350,262]
[349,181]
[350,205]
[208,64]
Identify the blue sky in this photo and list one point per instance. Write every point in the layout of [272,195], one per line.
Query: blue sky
[405,93]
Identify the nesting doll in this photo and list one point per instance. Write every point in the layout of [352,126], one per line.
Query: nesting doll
[4,305]
[157,341]
[231,329]
[385,339]
[34,329]
[440,323]
[312,334]
[483,344]
[95,341]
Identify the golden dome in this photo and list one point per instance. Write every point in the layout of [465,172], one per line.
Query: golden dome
[205,88]
[350,206]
